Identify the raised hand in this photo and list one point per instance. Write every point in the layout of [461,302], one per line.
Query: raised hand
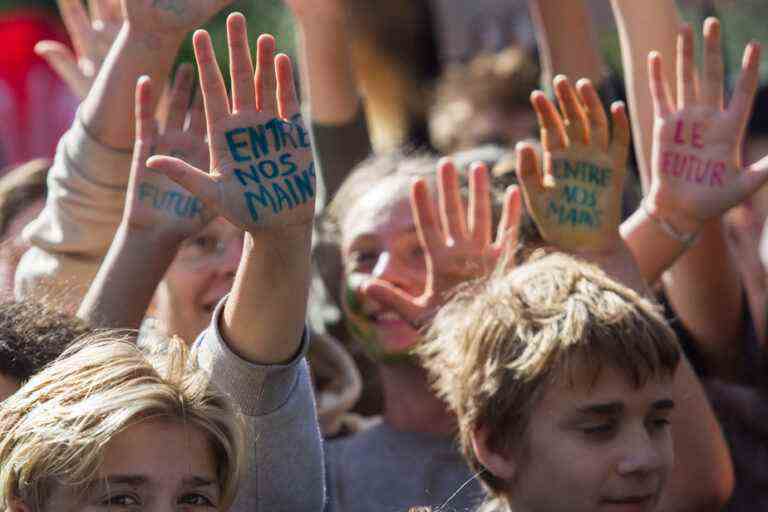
[576,198]
[92,33]
[155,203]
[159,16]
[262,172]
[457,243]
[697,172]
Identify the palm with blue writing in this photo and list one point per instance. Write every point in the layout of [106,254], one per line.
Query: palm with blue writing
[155,203]
[262,173]
[575,197]
[697,172]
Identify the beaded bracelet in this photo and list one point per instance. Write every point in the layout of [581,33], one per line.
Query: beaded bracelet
[687,239]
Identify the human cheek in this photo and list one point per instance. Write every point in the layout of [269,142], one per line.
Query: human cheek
[359,321]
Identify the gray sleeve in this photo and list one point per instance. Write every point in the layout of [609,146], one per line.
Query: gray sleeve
[286,471]
[86,196]
[338,149]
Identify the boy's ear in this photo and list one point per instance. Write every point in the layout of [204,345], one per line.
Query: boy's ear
[499,464]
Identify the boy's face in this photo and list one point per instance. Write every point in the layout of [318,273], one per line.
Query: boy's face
[606,447]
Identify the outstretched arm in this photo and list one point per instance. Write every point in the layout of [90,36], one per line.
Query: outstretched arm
[337,116]
[88,180]
[705,277]
[159,214]
[566,39]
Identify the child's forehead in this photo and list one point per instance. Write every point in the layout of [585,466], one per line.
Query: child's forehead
[585,383]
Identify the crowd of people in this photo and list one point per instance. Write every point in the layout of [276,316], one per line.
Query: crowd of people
[224,292]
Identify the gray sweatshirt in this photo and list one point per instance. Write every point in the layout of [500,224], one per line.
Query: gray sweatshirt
[286,470]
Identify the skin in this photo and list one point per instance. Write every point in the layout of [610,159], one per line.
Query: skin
[171,467]
[198,279]
[8,386]
[379,240]
[574,457]
[15,247]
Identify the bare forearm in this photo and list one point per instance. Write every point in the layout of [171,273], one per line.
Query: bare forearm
[645,27]
[566,39]
[654,250]
[702,477]
[265,315]
[134,53]
[704,289]
[326,63]
[127,279]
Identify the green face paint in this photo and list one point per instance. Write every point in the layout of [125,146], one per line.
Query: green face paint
[362,327]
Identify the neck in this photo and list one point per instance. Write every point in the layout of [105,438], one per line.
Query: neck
[409,403]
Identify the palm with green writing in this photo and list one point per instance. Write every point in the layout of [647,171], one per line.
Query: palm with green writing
[262,173]
[575,198]
[155,203]
[697,172]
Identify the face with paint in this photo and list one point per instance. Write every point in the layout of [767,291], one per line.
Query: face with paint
[379,239]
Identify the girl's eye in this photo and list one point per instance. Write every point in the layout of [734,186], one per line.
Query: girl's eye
[197,500]
[364,258]
[120,500]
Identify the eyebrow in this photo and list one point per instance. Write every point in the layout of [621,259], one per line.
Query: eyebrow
[602,409]
[611,408]
[139,480]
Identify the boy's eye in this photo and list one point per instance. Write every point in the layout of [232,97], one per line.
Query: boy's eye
[599,430]
[364,258]
[121,500]
[659,423]
[197,500]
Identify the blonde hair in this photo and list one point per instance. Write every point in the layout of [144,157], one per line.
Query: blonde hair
[56,429]
[494,348]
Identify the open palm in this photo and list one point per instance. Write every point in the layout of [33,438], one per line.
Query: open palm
[575,198]
[697,172]
[262,173]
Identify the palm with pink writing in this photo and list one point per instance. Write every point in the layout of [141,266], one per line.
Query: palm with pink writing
[575,198]
[697,172]
[154,202]
[92,35]
[457,247]
[262,171]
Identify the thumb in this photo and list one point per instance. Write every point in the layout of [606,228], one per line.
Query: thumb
[395,299]
[754,176]
[195,181]
[64,62]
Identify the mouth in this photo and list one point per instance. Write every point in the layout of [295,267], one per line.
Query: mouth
[635,502]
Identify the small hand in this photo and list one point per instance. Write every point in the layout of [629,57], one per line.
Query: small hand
[456,249]
[175,16]
[92,36]
[697,172]
[262,170]
[576,201]
[156,203]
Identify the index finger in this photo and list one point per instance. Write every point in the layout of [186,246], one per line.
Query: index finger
[551,128]
[575,120]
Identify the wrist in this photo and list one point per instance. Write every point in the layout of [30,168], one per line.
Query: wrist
[167,42]
[150,238]
[682,228]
